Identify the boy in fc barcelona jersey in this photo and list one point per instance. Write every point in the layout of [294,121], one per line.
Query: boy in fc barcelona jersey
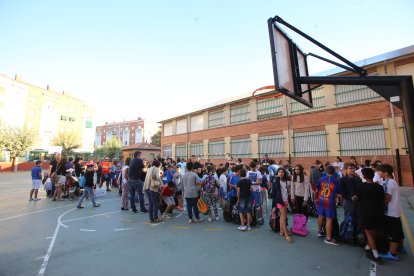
[328,188]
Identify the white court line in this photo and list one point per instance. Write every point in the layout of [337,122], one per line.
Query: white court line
[177,216]
[52,243]
[45,210]
[373,269]
[104,214]
[123,229]
[87,230]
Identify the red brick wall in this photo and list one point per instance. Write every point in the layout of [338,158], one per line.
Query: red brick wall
[24,166]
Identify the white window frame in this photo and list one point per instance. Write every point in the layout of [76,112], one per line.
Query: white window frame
[362,140]
[310,143]
[181,151]
[241,147]
[239,114]
[272,145]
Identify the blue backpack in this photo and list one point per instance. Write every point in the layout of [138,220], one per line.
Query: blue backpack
[347,230]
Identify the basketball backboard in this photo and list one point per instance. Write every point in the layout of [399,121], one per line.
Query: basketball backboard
[289,63]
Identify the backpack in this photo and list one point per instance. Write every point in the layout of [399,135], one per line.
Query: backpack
[227,212]
[257,218]
[347,230]
[210,184]
[299,225]
[274,221]
[235,215]
[202,205]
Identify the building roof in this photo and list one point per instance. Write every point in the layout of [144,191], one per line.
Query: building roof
[362,63]
[142,146]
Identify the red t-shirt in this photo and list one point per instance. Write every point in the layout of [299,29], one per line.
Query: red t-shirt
[166,191]
[106,167]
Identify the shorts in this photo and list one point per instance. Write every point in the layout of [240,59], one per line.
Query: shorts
[61,181]
[327,212]
[178,193]
[372,222]
[36,183]
[223,193]
[393,229]
[257,197]
[169,200]
[280,206]
[245,205]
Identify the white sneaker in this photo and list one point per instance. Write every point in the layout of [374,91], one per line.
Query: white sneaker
[249,228]
[190,221]
[210,219]
[217,218]
[199,220]
[36,199]
[242,228]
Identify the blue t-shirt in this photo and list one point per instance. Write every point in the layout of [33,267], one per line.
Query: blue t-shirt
[35,173]
[69,165]
[233,181]
[328,187]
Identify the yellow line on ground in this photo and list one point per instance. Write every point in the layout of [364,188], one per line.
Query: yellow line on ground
[180,227]
[214,229]
[125,219]
[148,223]
[407,231]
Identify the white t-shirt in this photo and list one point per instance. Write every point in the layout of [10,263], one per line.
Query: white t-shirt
[254,177]
[359,173]
[124,180]
[223,182]
[377,178]
[394,206]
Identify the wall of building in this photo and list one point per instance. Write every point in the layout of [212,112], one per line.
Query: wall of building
[334,112]
[129,132]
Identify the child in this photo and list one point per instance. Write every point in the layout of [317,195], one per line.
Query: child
[392,219]
[280,200]
[370,196]
[328,188]
[256,178]
[244,194]
[178,188]
[36,181]
[223,186]
[210,182]
[88,187]
[264,187]
[167,196]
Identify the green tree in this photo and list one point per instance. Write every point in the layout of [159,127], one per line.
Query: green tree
[156,139]
[113,148]
[16,141]
[68,141]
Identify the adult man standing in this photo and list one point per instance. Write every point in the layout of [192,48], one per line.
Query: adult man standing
[134,182]
[106,173]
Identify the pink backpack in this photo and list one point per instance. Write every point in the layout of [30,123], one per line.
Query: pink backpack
[299,225]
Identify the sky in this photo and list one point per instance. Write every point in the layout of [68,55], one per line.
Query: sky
[159,59]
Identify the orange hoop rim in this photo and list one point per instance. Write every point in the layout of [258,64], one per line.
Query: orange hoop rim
[273,94]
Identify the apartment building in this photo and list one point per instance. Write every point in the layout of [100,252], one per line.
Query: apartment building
[345,121]
[129,132]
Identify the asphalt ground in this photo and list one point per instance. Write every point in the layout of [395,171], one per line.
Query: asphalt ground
[56,238]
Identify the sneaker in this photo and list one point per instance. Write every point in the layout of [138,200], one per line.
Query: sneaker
[79,207]
[402,250]
[389,256]
[199,220]
[242,228]
[249,228]
[371,256]
[190,221]
[210,219]
[37,199]
[134,211]
[331,242]
[30,199]
[157,220]
[97,205]
[321,234]
[144,211]
[217,218]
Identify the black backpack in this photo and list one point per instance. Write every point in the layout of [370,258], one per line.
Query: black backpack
[235,214]
[227,212]
[257,218]
[274,221]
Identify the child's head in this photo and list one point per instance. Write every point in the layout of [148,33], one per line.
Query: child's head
[385,171]
[171,184]
[243,173]
[330,170]
[38,162]
[89,167]
[368,174]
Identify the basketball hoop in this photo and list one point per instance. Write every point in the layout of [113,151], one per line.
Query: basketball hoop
[270,95]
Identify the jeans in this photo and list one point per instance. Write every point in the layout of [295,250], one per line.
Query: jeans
[136,185]
[154,204]
[87,190]
[192,206]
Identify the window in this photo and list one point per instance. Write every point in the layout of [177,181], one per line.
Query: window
[197,149]
[405,138]
[88,124]
[318,100]
[216,118]
[71,119]
[271,145]
[167,151]
[125,136]
[197,123]
[354,94]
[108,136]
[239,114]
[241,147]
[181,126]
[365,140]
[63,118]
[168,129]
[269,108]
[181,151]
[312,143]
[216,150]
